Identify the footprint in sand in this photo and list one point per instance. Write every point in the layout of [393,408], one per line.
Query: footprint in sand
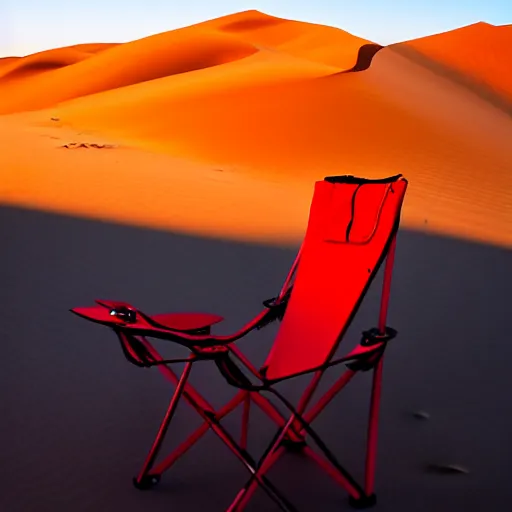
[439,469]
[78,145]
[446,469]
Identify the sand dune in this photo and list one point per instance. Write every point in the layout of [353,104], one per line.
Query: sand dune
[231,38]
[395,116]
[477,55]
[137,187]
[276,103]
[121,66]
[5,61]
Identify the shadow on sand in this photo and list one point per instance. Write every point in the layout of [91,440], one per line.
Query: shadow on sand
[76,419]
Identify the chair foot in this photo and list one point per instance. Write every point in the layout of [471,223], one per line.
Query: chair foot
[147,482]
[363,502]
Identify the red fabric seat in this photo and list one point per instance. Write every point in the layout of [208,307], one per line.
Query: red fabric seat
[187,321]
[349,228]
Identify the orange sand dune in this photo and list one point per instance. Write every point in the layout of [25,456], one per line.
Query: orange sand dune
[224,40]
[141,188]
[326,45]
[395,116]
[246,112]
[4,61]
[478,54]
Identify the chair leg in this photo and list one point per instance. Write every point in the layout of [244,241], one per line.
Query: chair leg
[192,396]
[144,479]
[309,417]
[283,503]
[262,467]
[371,450]
[358,498]
[245,419]
[166,463]
[271,455]
[352,487]
[271,411]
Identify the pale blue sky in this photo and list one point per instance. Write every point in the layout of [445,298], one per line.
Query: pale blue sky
[28,26]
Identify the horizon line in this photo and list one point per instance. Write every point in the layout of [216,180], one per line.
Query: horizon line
[242,12]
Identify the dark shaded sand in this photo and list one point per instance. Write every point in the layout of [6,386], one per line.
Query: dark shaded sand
[364,57]
[77,419]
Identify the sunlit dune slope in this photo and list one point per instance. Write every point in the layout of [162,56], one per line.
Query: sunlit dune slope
[272,105]
[7,61]
[135,187]
[69,74]
[396,116]
[476,55]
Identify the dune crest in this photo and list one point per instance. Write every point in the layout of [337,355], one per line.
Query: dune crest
[245,21]
[4,61]
[326,45]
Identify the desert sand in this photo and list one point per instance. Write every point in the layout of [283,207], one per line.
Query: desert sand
[175,172]
[77,419]
[204,111]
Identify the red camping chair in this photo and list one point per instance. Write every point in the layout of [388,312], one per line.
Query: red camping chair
[352,228]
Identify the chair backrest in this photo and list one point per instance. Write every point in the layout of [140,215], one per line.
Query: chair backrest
[352,223]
